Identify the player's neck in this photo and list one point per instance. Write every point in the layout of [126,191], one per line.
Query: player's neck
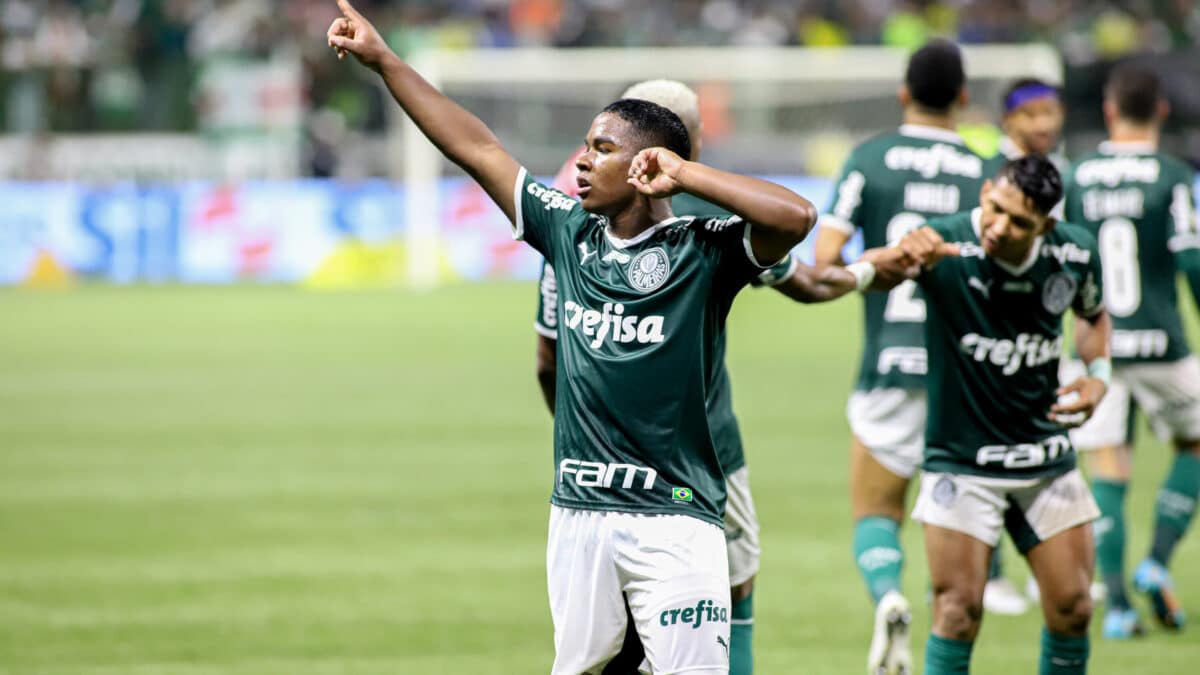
[913,115]
[1128,132]
[642,214]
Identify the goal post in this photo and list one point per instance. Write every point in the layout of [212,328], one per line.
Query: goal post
[835,84]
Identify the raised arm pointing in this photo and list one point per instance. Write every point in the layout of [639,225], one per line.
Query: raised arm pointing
[458,134]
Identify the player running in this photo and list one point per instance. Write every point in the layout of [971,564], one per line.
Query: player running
[1138,202]
[997,281]
[639,493]
[890,185]
[800,282]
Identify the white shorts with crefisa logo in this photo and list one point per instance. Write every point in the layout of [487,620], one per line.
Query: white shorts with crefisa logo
[673,572]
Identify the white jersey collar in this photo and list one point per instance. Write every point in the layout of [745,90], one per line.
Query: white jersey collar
[931,133]
[1127,147]
[619,243]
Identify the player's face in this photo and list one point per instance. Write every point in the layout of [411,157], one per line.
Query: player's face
[604,165]
[1036,125]
[1009,223]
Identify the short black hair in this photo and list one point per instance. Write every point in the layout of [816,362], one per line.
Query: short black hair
[1136,91]
[1005,104]
[1037,178]
[935,75]
[657,125]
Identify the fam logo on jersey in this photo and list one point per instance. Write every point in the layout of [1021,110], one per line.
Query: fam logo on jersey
[1024,455]
[705,611]
[649,269]
[1058,291]
[1029,350]
[600,474]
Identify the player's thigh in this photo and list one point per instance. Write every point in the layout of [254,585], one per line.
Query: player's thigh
[875,490]
[1111,462]
[958,571]
[1170,395]
[1063,566]
[676,579]
[1108,425]
[890,425]
[741,528]
[586,603]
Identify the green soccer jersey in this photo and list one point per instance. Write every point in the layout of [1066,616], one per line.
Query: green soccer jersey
[995,338]
[726,433]
[640,335]
[890,185]
[1138,203]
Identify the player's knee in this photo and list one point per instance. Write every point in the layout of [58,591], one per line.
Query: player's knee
[956,615]
[1069,613]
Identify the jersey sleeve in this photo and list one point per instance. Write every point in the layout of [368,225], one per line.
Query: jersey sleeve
[546,321]
[778,274]
[845,208]
[541,214]
[1089,297]
[1185,222]
[729,241]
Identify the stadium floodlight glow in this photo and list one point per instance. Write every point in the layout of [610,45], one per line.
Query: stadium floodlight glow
[419,165]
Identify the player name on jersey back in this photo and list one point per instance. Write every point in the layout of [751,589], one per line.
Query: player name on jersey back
[1138,203]
[890,185]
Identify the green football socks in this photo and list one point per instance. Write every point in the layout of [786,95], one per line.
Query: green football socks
[1175,506]
[944,656]
[1109,530]
[877,554]
[1063,654]
[741,637]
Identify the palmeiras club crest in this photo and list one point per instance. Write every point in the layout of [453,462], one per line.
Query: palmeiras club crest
[1058,292]
[649,269]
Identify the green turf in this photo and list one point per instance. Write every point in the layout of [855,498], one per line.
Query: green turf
[266,481]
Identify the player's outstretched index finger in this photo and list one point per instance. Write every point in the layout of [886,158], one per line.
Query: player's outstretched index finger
[348,10]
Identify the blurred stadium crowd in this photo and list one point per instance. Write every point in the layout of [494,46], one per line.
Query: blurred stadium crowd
[114,65]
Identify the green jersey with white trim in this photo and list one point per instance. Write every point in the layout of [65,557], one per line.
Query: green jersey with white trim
[890,185]
[1138,202]
[726,433]
[995,339]
[640,328]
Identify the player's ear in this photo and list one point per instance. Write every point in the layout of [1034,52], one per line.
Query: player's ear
[1048,224]
[904,96]
[1110,112]
[987,187]
[964,97]
[1164,109]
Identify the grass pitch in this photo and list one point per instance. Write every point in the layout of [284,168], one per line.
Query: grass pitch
[261,481]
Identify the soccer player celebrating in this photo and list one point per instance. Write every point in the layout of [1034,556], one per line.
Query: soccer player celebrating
[639,493]
[997,281]
[1138,202]
[792,278]
[890,185]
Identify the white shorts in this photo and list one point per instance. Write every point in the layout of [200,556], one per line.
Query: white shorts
[741,528]
[891,423]
[1169,394]
[671,570]
[1032,510]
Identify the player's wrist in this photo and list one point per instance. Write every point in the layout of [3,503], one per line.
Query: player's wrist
[1100,369]
[864,274]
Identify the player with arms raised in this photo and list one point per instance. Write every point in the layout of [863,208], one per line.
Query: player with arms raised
[800,282]
[1138,201]
[890,185]
[638,493]
[997,281]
